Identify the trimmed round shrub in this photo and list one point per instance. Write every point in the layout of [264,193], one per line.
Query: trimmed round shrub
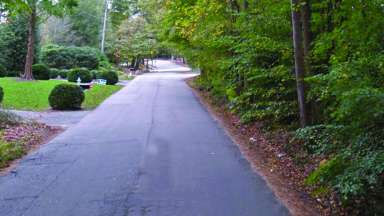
[84,74]
[1,94]
[111,76]
[63,73]
[54,73]
[40,72]
[66,97]
[3,71]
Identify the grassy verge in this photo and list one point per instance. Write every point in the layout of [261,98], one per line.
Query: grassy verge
[25,95]
[98,94]
[33,95]
[123,77]
[9,151]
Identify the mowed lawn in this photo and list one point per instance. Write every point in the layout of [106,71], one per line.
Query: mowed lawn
[33,95]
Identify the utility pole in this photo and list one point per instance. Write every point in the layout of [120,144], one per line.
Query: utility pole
[105,18]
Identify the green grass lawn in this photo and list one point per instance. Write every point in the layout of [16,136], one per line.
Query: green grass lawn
[98,94]
[33,95]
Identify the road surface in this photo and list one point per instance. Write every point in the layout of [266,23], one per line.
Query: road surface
[149,150]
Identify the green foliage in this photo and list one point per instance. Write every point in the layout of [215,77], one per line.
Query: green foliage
[3,71]
[54,73]
[348,89]
[71,57]
[95,74]
[326,171]
[63,73]
[1,94]
[40,72]
[84,25]
[12,74]
[356,171]
[8,119]
[121,10]
[66,97]
[321,139]
[13,43]
[250,70]
[269,95]
[9,152]
[82,73]
[124,76]
[111,77]
[134,40]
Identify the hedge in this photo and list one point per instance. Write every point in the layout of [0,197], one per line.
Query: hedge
[71,57]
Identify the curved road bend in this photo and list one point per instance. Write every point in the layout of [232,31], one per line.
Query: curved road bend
[149,150]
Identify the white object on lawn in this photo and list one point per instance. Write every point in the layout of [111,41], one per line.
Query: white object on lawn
[101,81]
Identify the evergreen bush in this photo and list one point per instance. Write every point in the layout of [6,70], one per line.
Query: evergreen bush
[66,97]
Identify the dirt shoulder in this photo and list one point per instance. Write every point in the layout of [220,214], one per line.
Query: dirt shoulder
[266,158]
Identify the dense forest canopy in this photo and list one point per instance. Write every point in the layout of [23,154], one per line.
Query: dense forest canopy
[312,67]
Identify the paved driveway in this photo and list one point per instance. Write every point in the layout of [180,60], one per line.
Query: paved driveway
[151,149]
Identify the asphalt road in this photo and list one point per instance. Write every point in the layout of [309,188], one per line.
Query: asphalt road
[149,150]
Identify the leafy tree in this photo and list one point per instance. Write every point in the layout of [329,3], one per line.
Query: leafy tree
[85,23]
[122,10]
[34,9]
[135,40]
[13,43]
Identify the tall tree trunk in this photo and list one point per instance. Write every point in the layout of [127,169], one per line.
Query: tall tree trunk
[133,62]
[31,45]
[307,41]
[307,34]
[245,5]
[299,61]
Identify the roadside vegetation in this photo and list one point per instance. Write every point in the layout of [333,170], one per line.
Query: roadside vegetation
[311,68]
